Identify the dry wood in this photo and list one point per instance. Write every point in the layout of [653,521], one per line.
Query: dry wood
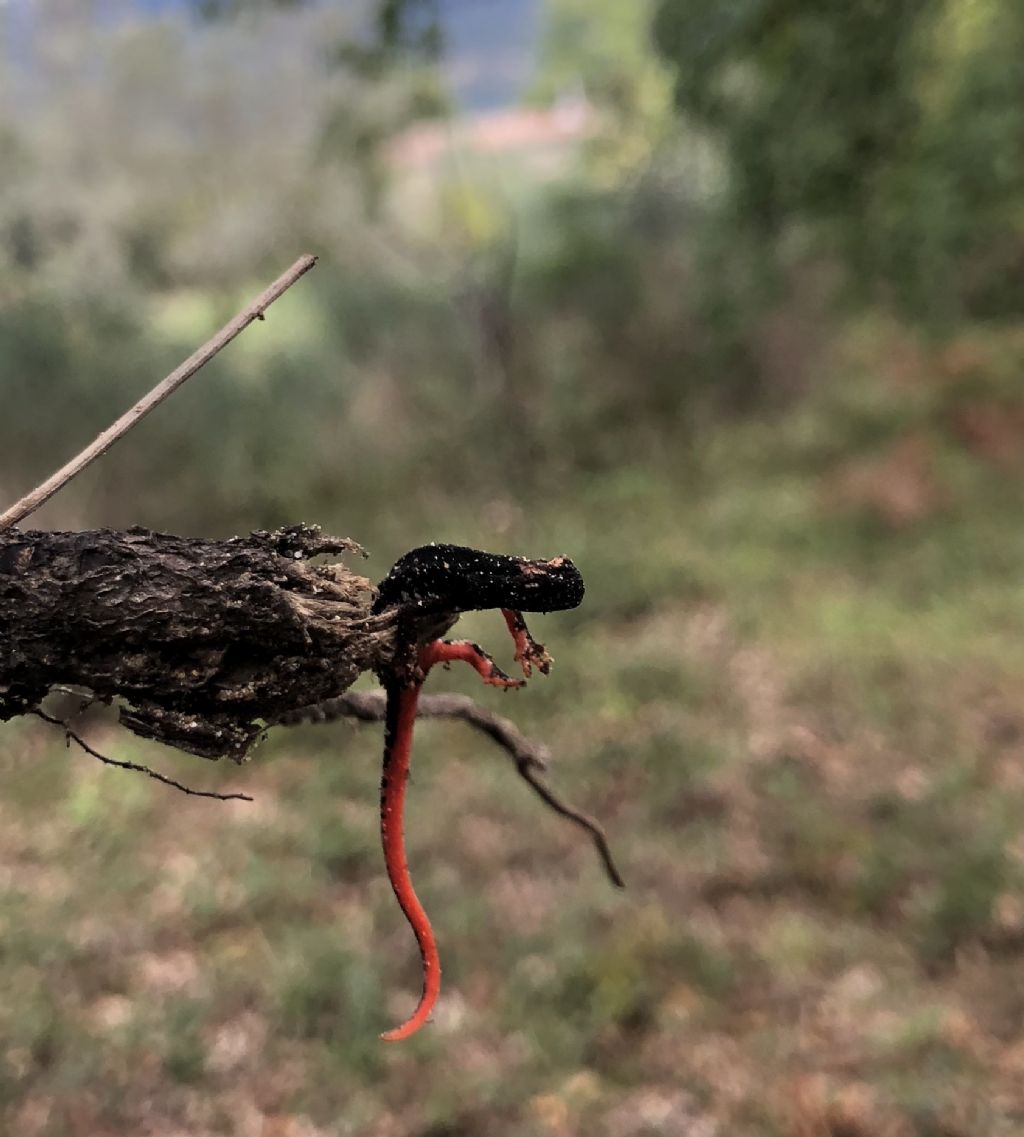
[205,642]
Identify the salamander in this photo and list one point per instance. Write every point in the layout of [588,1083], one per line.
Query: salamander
[428,588]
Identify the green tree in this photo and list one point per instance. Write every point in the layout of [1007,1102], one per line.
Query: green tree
[601,49]
[885,132]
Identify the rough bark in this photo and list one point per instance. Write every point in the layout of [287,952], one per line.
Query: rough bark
[204,642]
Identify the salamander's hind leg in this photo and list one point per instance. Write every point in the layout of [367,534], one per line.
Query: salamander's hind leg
[529,653]
[448,651]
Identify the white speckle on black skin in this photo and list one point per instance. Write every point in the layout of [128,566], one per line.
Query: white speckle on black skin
[455,578]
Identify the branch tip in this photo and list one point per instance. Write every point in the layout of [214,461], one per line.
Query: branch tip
[530,758]
[165,388]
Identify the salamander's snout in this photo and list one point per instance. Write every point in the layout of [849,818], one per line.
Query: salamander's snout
[547,586]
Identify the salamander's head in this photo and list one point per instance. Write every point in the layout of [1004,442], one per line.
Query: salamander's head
[453,578]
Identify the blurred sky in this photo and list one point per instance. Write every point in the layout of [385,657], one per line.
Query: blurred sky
[490,43]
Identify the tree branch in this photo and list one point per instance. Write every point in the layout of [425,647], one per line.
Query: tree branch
[166,387]
[202,642]
[71,736]
[530,757]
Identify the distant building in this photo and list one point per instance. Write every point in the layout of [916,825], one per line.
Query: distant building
[538,134]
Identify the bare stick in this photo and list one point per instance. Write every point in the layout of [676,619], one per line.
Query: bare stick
[70,735]
[368,706]
[530,758]
[583,820]
[166,387]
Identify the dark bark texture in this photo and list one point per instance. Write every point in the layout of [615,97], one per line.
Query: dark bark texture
[204,642]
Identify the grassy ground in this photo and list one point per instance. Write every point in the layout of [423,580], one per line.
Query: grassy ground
[795,694]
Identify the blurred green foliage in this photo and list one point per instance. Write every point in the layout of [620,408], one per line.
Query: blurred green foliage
[602,50]
[685,266]
[881,134]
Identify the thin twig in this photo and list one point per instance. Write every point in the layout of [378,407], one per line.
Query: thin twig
[121,765]
[584,820]
[368,706]
[166,387]
[530,758]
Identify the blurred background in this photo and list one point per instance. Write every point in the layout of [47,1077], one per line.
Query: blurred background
[722,300]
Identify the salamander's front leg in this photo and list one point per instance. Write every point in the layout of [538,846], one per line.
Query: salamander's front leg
[529,653]
[448,651]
